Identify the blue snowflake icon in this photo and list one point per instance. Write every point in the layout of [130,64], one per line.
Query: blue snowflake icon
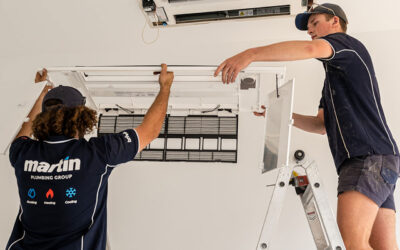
[71,192]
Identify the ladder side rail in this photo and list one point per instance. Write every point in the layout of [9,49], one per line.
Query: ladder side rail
[274,208]
[328,219]
[314,219]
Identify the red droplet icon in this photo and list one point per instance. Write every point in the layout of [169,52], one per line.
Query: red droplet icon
[50,194]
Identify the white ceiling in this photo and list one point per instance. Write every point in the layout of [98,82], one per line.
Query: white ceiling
[75,26]
[101,32]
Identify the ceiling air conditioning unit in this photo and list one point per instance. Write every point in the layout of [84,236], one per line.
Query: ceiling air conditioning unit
[175,12]
[203,121]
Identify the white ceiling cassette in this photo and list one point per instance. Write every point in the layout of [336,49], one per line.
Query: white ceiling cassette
[203,116]
[195,90]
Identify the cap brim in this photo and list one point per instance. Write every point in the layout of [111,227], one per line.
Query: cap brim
[301,20]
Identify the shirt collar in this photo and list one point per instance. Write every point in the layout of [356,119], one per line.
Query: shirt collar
[59,138]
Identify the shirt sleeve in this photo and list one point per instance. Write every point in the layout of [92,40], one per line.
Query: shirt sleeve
[322,100]
[118,148]
[338,45]
[16,148]
[321,103]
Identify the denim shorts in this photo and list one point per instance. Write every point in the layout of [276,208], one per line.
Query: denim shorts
[373,175]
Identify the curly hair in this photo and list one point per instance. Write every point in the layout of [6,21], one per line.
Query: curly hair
[61,120]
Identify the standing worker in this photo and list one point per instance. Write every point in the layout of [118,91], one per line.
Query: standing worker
[350,113]
[62,178]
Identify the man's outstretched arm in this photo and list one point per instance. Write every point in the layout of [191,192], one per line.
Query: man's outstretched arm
[154,118]
[26,129]
[283,51]
[312,124]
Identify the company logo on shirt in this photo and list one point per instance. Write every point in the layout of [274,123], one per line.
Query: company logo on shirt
[50,194]
[31,193]
[128,139]
[70,192]
[63,165]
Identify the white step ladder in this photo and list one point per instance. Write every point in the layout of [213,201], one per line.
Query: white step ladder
[316,207]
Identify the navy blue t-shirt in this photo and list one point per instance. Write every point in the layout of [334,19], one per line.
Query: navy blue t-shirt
[354,118]
[62,186]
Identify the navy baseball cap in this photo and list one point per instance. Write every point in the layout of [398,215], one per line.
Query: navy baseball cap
[68,96]
[328,8]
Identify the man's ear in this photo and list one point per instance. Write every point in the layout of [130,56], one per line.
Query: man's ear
[335,20]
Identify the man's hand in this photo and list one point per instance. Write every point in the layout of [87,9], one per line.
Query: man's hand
[26,129]
[166,78]
[40,77]
[260,113]
[231,67]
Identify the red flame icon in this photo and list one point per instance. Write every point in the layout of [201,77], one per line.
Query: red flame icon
[50,194]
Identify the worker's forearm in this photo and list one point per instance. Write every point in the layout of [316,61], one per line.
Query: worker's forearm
[27,126]
[154,117]
[26,129]
[310,124]
[284,51]
[36,109]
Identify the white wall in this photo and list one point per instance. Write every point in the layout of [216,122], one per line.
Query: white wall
[190,206]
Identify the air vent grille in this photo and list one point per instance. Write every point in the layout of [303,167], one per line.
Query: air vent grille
[233,14]
[189,138]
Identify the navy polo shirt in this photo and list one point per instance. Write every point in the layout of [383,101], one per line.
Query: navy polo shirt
[354,119]
[62,185]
